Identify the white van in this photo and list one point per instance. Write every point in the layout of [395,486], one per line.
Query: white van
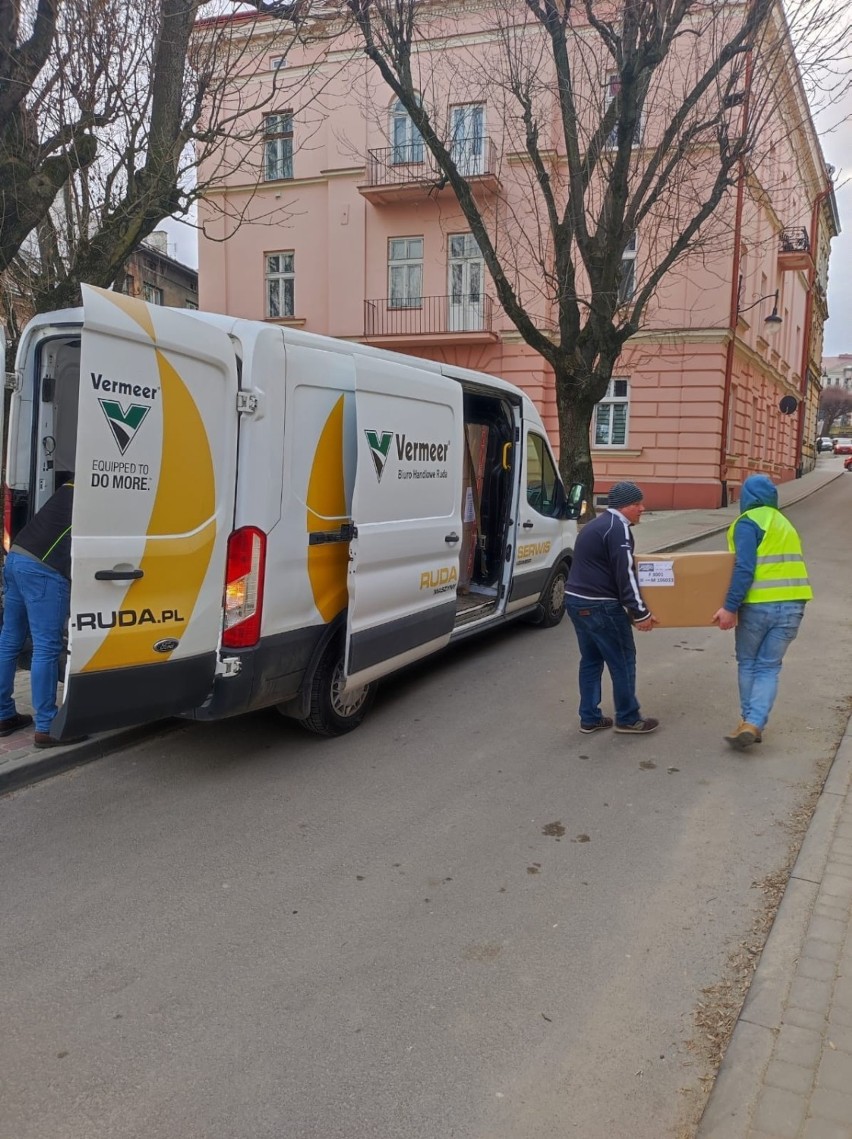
[267,517]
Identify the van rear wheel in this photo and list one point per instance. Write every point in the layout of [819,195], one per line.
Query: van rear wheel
[551,604]
[334,712]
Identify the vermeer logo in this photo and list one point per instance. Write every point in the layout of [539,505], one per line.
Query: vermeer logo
[123,424]
[379,447]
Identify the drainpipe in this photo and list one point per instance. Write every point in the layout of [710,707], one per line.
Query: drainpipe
[735,294]
[807,338]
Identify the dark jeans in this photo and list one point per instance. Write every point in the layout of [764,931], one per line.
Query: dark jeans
[605,635]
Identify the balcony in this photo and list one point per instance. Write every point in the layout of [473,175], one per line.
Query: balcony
[794,250]
[408,171]
[429,320]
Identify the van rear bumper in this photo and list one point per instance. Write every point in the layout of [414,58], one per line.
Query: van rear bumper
[123,697]
[271,672]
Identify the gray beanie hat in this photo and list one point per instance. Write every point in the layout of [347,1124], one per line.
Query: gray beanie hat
[624,494]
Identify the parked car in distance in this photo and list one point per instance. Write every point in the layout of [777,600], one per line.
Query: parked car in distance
[824,444]
[847,466]
[843,446]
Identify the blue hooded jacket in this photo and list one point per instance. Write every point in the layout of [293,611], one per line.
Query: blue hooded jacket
[757,490]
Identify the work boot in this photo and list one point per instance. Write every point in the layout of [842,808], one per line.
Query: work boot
[13,723]
[639,727]
[743,736]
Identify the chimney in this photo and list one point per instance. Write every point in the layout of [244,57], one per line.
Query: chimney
[158,240]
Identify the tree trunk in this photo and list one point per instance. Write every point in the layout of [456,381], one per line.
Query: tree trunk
[576,406]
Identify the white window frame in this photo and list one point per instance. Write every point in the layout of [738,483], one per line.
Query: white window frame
[468,151]
[407,146]
[404,263]
[615,397]
[278,146]
[152,293]
[611,84]
[276,62]
[627,280]
[280,285]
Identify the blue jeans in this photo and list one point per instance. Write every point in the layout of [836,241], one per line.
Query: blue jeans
[763,634]
[37,600]
[605,637]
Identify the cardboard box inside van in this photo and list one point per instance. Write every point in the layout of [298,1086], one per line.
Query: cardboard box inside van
[684,590]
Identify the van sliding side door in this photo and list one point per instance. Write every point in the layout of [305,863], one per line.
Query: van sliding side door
[153,508]
[406,509]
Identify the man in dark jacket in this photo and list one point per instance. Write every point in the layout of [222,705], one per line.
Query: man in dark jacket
[602,599]
[765,602]
[37,576]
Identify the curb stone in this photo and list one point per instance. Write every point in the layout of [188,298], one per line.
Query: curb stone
[732,1102]
[37,765]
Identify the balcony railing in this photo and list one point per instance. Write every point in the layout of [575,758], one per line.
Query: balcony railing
[794,241]
[427,316]
[413,162]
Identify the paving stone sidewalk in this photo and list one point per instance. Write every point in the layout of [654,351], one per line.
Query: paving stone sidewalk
[787,1073]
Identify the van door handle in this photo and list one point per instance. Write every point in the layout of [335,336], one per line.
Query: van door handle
[528,525]
[119,575]
[451,539]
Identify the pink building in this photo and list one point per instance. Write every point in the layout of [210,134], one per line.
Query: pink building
[346,229]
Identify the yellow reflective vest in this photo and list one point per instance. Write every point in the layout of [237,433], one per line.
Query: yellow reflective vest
[780,573]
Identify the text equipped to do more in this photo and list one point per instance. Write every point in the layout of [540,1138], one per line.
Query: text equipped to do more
[115,474]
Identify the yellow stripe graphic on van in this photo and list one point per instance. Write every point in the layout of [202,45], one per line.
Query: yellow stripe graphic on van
[137,310]
[326,502]
[181,535]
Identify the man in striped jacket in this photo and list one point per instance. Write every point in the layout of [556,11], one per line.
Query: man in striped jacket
[765,602]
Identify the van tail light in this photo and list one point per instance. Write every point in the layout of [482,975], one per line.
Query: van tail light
[244,587]
[7,518]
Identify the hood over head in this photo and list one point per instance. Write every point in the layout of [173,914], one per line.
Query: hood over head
[758,490]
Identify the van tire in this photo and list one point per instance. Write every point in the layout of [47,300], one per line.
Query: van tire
[551,605]
[330,713]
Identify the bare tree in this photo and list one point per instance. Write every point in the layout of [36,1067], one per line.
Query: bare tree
[834,404]
[659,109]
[107,109]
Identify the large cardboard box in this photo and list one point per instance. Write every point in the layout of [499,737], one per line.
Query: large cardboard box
[684,590]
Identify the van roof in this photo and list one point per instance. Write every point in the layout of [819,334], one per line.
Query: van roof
[240,327]
[234,325]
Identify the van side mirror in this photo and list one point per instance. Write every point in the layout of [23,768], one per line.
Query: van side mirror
[575,501]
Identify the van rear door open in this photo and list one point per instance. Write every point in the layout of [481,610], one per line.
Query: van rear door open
[153,508]
[406,509]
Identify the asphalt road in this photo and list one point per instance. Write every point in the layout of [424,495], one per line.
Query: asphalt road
[465,919]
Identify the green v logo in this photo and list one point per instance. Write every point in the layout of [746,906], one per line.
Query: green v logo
[123,424]
[379,447]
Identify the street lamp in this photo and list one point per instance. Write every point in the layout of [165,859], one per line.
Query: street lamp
[772,322]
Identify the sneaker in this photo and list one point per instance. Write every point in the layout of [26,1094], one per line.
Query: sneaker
[13,723]
[639,728]
[45,739]
[603,722]
[744,736]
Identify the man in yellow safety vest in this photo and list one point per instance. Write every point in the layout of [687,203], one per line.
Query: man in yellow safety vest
[765,602]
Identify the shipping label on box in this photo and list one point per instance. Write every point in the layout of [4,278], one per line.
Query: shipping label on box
[684,590]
